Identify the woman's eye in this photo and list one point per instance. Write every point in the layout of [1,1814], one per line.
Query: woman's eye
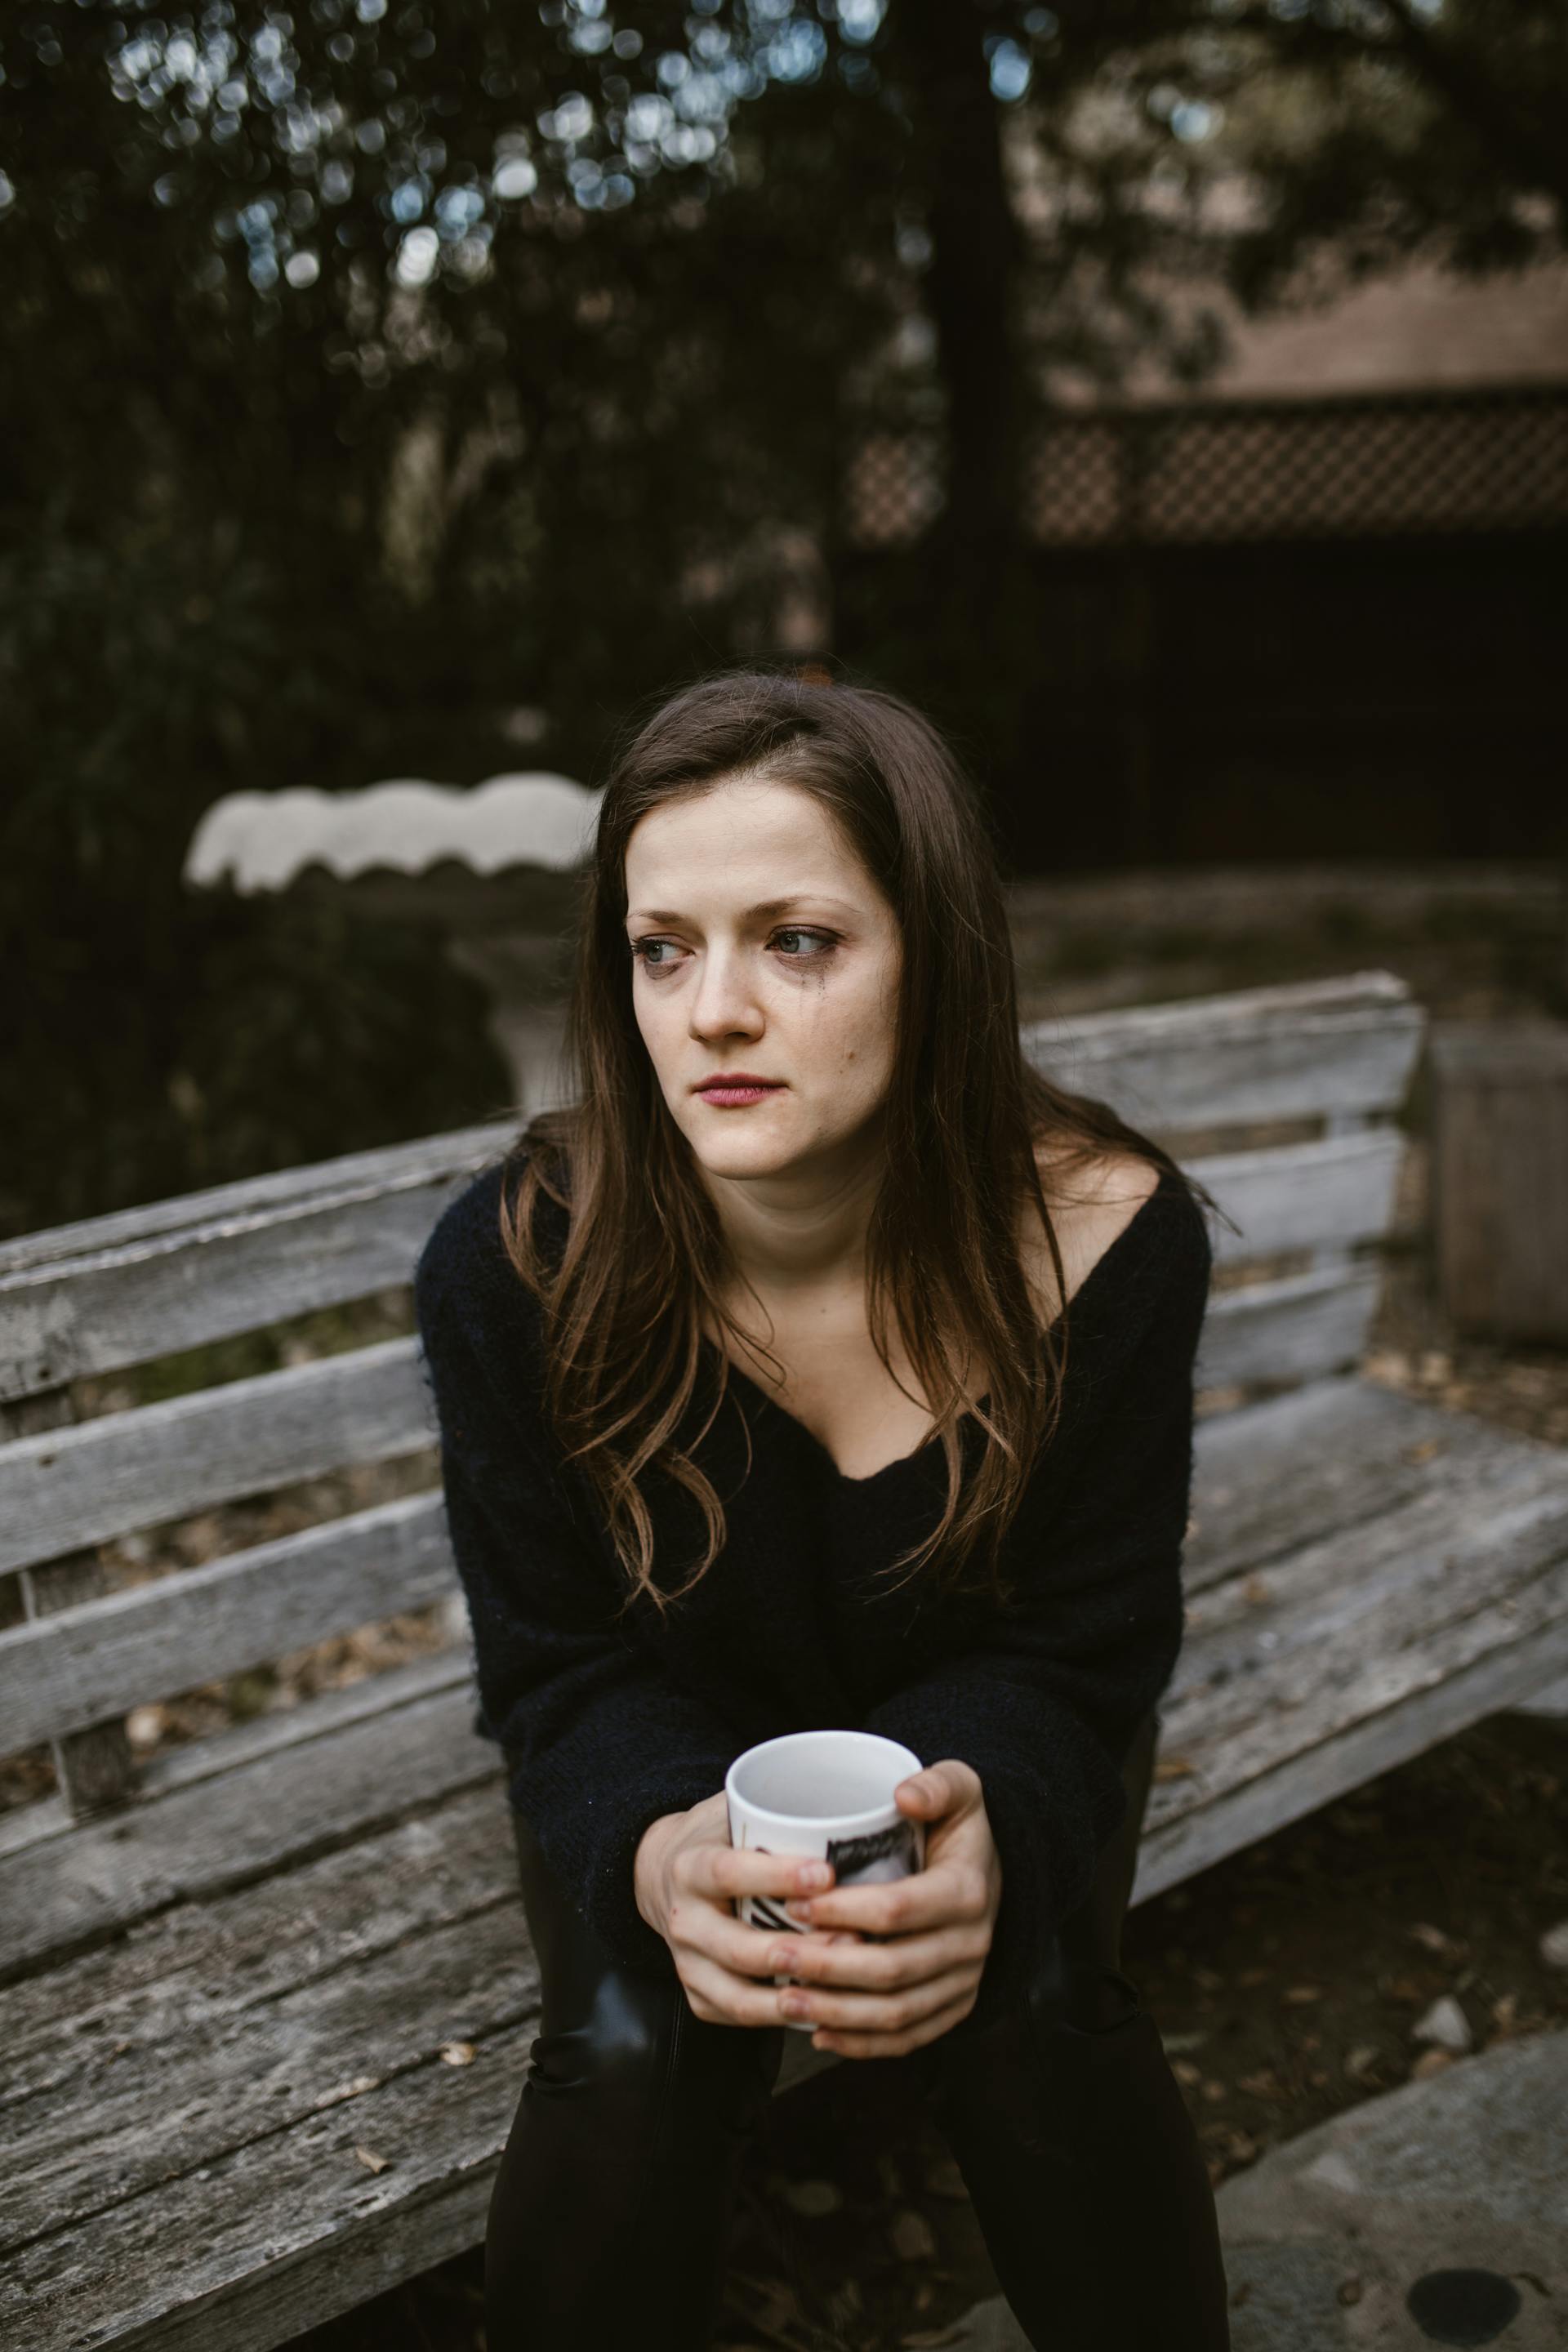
[642,950]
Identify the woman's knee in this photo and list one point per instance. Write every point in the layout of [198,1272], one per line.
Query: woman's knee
[638,2061]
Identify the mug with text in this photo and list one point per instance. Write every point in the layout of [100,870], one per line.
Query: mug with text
[828,1795]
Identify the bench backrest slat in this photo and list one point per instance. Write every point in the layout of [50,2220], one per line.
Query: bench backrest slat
[110,1292]
[109,1654]
[130,1470]
[1300,1328]
[1329,1195]
[1251,1056]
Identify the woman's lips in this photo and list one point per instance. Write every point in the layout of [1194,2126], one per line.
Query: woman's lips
[733,1098]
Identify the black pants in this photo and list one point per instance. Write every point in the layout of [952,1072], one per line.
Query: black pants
[610,2216]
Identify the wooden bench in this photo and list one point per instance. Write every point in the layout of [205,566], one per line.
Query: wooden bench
[267,2000]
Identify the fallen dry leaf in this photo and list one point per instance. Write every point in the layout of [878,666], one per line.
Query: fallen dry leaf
[1173,1767]
[1185,2071]
[1249,1977]
[367,2155]
[1432,1937]
[1298,1994]
[1361,2060]
[1254,1589]
[913,2239]
[1432,2062]
[1265,2085]
[457,2054]
[1427,1449]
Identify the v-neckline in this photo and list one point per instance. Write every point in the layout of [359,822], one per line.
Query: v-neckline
[905,1461]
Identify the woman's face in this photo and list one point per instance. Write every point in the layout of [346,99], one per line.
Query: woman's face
[762,945]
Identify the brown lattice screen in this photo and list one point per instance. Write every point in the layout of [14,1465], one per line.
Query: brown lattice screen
[1455,462]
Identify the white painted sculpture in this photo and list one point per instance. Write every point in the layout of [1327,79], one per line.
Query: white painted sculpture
[494,866]
[261,841]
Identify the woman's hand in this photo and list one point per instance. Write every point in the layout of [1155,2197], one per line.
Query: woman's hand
[879,1999]
[687,1878]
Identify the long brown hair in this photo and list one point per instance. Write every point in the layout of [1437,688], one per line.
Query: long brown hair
[646,1262]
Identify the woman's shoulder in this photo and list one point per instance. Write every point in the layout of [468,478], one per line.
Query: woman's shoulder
[1129,1227]
[462,1243]
[465,1275]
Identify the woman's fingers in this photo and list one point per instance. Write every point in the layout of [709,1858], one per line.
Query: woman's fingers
[882,2013]
[950,1998]
[718,1995]
[941,1894]
[725,1872]
[748,1951]
[853,1965]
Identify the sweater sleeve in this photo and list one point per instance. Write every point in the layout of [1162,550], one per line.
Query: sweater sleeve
[600,1740]
[1046,1708]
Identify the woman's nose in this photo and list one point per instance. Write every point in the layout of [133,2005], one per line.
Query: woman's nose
[726,996]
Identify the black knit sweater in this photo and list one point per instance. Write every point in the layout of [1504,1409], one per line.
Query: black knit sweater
[606,1724]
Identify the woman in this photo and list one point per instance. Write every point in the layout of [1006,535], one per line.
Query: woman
[854,1391]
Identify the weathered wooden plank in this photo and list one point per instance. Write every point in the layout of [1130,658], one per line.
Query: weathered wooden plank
[258,2246]
[1458,1695]
[1282,1655]
[386,1167]
[1348,1628]
[140,2072]
[200,1966]
[234,2025]
[1251,1055]
[1296,1329]
[136,1469]
[349,1770]
[247,1741]
[94,1765]
[1337,1192]
[117,1651]
[1320,1460]
[106,1292]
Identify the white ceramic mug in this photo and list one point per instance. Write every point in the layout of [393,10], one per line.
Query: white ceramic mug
[828,1795]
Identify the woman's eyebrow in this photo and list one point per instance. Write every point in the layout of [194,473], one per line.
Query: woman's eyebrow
[764,907]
